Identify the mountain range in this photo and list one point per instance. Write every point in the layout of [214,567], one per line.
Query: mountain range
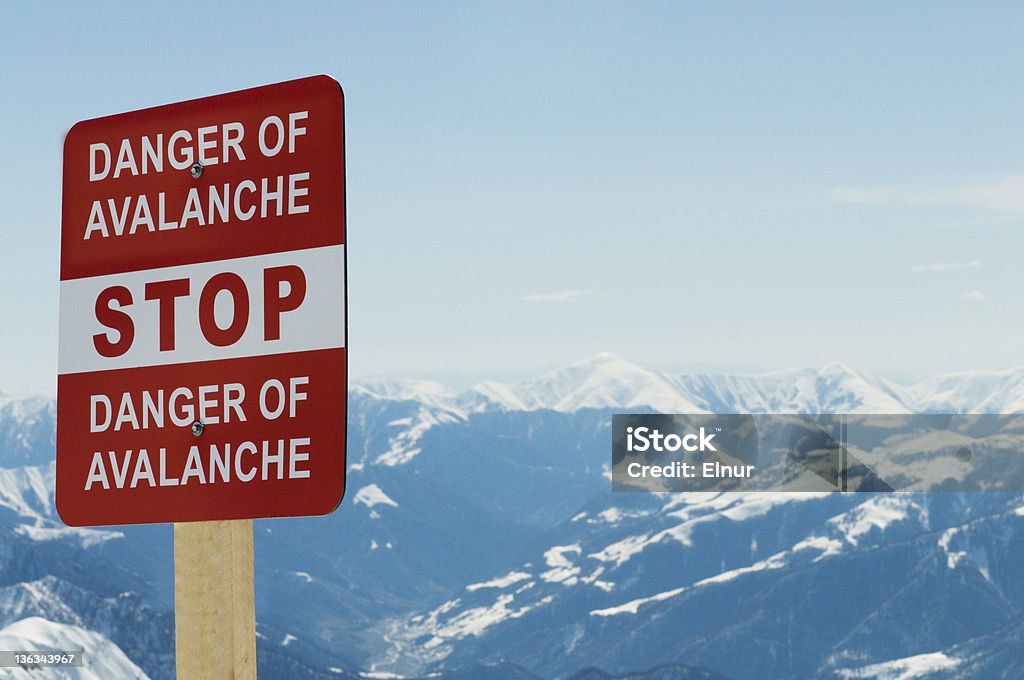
[479,538]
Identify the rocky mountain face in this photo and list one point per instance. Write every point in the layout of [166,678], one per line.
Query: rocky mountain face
[479,538]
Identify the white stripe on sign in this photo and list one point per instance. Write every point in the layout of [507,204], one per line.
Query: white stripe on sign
[250,306]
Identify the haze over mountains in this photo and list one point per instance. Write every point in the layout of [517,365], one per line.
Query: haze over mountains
[478,527]
[607,381]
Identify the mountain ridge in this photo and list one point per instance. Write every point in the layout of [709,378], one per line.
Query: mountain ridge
[608,381]
[479,528]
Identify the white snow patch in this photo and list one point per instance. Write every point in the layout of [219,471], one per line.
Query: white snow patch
[974,556]
[555,556]
[372,495]
[826,546]
[776,561]
[953,557]
[633,606]
[758,505]
[616,515]
[904,669]
[87,538]
[699,508]
[501,582]
[562,570]
[876,513]
[829,547]
[621,551]
[472,621]
[402,447]
[475,620]
[594,580]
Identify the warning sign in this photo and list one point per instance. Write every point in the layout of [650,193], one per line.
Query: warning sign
[202,365]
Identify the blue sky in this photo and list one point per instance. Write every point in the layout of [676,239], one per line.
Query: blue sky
[688,185]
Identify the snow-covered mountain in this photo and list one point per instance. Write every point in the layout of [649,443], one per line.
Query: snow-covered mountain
[479,538]
[27,430]
[101,658]
[972,392]
[831,389]
[623,564]
[751,587]
[606,381]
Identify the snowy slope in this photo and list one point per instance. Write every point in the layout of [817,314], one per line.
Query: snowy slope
[603,381]
[972,392]
[478,526]
[28,491]
[27,430]
[396,389]
[101,658]
[848,583]
[606,381]
[833,388]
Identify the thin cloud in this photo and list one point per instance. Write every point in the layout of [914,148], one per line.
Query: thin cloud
[945,266]
[867,195]
[1004,196]
[559,296]
[973,296]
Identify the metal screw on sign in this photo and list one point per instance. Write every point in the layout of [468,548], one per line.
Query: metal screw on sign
[198,427]
[196,170]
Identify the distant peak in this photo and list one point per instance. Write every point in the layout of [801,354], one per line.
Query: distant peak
[837,368]
[606,356]
[600,359]
[403,389]
[604,361]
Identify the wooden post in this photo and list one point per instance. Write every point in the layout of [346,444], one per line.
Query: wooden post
[214,606]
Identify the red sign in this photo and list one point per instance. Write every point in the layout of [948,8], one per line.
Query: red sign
[202,366]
